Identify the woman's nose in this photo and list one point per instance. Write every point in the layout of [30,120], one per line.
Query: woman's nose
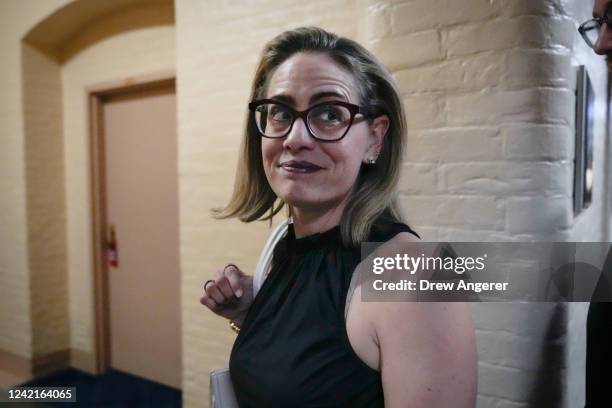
[299,137]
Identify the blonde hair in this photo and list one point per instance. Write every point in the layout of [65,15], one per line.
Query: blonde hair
[373,199]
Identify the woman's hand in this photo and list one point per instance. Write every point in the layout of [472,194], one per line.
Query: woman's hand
[230,293]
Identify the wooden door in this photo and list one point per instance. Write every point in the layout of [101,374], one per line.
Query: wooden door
[140,154]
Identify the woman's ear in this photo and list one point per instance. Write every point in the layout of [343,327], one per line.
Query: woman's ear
[378,130]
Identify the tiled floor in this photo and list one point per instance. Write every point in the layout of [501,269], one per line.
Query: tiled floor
[111,390]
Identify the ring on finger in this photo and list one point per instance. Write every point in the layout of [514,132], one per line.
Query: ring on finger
[228,265]
[207,282]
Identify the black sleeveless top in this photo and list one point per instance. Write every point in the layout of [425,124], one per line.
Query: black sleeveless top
[293,349]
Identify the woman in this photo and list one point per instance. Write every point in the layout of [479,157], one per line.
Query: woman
[324,135]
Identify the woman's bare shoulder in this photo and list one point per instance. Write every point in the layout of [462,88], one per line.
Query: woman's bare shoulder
[433,345]
[398,242]
[433,342]
[403,238]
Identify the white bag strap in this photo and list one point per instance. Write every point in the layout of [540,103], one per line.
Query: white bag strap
[349,294]
[265,259]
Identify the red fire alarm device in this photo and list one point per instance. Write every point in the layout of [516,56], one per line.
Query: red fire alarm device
[111,249]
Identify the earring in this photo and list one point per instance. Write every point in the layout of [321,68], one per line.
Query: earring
[371,160]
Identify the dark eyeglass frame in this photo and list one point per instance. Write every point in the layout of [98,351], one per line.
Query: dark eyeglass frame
[600,21]
[352,108]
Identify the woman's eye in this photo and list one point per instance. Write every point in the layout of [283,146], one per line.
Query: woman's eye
[329,114]
[280,115]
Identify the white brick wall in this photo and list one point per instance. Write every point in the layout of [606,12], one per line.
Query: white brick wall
[490,105]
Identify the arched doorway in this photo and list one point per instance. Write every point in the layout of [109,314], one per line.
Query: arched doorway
[81,48]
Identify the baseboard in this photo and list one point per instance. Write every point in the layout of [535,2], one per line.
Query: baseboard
[84,361]
[20,369]
[50,362]
[15,365]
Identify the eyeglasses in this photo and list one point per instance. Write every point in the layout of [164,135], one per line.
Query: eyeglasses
[327,121]
[589,30]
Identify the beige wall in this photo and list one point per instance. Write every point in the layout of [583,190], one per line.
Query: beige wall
[15,309]
[131,54]
[49,308]
[45,198]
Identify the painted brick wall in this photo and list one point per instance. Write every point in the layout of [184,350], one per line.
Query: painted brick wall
[489,93]
[482,74]
[44,158]
[488,106]
[15,295]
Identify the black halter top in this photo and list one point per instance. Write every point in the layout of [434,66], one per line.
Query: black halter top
[293,349]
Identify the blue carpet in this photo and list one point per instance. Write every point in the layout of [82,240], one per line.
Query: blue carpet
[113,389]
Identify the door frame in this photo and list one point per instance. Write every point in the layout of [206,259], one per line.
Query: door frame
[98,95]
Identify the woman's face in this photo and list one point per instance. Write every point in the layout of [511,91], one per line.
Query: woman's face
[331,169]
